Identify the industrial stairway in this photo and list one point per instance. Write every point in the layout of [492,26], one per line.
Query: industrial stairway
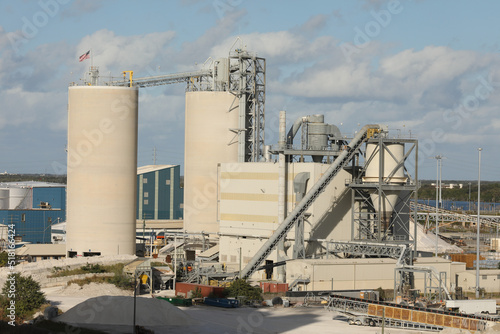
[342,160]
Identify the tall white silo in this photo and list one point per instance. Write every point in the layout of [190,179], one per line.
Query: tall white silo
[393,153]
[102,164]
[211,137]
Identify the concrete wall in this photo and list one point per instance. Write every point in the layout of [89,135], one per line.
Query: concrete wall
[209,140]
[102,169]
[347,274]
[363,273]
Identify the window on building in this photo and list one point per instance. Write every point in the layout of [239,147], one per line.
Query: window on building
[484,277]
[49,220]
[146,194]
[23,217]
[498,276]
[181,206]
[144,180]
[146,202]
[167,182]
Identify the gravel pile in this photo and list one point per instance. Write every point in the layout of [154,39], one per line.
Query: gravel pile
[118,311]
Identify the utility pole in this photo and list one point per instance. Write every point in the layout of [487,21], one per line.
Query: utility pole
[478,224]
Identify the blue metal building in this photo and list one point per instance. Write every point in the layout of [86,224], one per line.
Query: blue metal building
[41,206]
[159,194]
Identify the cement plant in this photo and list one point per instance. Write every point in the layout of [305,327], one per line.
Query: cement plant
[327,225]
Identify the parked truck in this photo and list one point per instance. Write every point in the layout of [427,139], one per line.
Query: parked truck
[473,306]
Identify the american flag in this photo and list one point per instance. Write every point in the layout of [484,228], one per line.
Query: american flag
[85,56]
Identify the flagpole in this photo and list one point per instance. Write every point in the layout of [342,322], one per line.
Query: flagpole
[91,58]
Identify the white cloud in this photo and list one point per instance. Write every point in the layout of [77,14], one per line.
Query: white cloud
[117,53]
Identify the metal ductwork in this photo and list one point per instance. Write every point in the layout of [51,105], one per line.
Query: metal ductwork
[315,134]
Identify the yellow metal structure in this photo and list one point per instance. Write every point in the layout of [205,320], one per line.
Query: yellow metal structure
[130,76]
[371,132]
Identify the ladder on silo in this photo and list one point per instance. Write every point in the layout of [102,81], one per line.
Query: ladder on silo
[343,159]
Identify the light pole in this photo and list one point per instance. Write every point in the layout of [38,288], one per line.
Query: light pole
[478,224]
[469,196]
[438,198]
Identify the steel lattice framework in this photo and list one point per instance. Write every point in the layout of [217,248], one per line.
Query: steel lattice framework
[367,221]
[425,212]
[400,252]
[243,74]
[247,80]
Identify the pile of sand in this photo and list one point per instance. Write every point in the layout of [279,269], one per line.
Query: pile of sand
[117,312]
[93,290]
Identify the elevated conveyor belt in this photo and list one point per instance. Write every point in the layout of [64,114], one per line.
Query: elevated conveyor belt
[282,230]
[375,313]
[161,79]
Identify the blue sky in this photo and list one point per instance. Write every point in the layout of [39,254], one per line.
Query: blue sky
[429,68]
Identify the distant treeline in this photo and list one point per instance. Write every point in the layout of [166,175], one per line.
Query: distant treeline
[490,191]
[53,178]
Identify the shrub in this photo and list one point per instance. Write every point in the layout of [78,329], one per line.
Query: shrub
[196,293]
[241,287]
[94,268]
[3,259]
[26,294]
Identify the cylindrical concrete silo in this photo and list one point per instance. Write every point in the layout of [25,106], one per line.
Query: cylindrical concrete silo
[102,170]
[211,127]
[392,155]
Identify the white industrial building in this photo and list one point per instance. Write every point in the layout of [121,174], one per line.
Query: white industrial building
[249,202]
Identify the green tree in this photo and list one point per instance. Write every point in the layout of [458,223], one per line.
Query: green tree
[26,294]
[3,259]
[241,287]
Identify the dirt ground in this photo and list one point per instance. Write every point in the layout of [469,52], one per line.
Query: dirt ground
[214,320]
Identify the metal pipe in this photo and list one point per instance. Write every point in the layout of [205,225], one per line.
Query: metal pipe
[282,130]
[294,129]
[282,179]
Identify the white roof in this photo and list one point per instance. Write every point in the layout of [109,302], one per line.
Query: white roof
[42,250]
[210,252]
[152,168]
[30,184]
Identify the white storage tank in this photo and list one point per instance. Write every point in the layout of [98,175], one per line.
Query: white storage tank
[4,199]
[210,138]
[102,167]
[20,198]
[393,153]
